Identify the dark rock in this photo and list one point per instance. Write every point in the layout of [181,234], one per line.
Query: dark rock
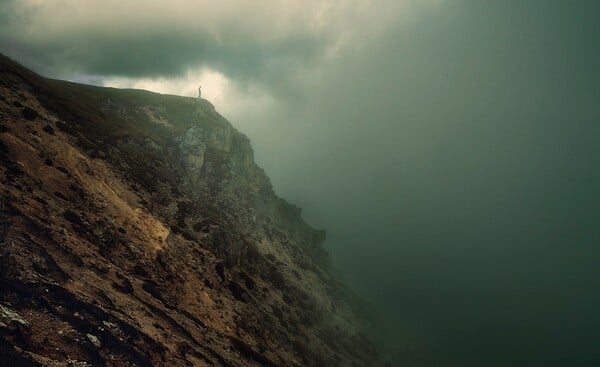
[59,194]
[9,357]
[124,285]
[220,269]
[238,291]
[49,129]
[3,149]
[73,217]
[29,113]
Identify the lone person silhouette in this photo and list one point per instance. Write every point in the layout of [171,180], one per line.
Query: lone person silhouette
[199,91]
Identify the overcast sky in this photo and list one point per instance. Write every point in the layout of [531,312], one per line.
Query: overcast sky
[449,147]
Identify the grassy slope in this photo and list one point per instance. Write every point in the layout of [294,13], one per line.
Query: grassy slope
[80,103]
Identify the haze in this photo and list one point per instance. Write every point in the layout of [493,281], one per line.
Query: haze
[450,148]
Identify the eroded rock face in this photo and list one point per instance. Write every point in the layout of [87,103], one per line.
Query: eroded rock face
[136,230]
[11,320]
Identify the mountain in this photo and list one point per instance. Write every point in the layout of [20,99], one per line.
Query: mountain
[137,230]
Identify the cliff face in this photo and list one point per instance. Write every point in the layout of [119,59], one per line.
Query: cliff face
[136,230]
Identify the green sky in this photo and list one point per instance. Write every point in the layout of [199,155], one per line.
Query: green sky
[450,148]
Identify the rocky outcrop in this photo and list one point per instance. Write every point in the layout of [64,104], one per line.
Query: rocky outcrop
[136,230]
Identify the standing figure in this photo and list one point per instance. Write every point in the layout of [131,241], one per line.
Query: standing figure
[199,91]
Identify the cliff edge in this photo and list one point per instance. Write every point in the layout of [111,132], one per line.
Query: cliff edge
[137,230]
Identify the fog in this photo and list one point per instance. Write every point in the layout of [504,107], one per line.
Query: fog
[455,167]
[452,154]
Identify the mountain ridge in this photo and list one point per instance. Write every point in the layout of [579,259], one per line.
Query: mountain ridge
[138,230]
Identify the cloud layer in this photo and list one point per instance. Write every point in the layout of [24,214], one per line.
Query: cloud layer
[248,39]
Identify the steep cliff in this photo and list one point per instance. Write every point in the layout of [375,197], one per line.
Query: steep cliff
[136,230]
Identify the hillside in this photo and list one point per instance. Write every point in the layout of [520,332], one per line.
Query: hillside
[136,230]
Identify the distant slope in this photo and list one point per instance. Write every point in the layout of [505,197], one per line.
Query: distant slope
[136,230]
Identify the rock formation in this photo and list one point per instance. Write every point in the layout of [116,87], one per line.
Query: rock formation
[136,230]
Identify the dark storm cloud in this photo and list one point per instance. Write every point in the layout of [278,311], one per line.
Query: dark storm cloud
[150,40]
[162,54]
